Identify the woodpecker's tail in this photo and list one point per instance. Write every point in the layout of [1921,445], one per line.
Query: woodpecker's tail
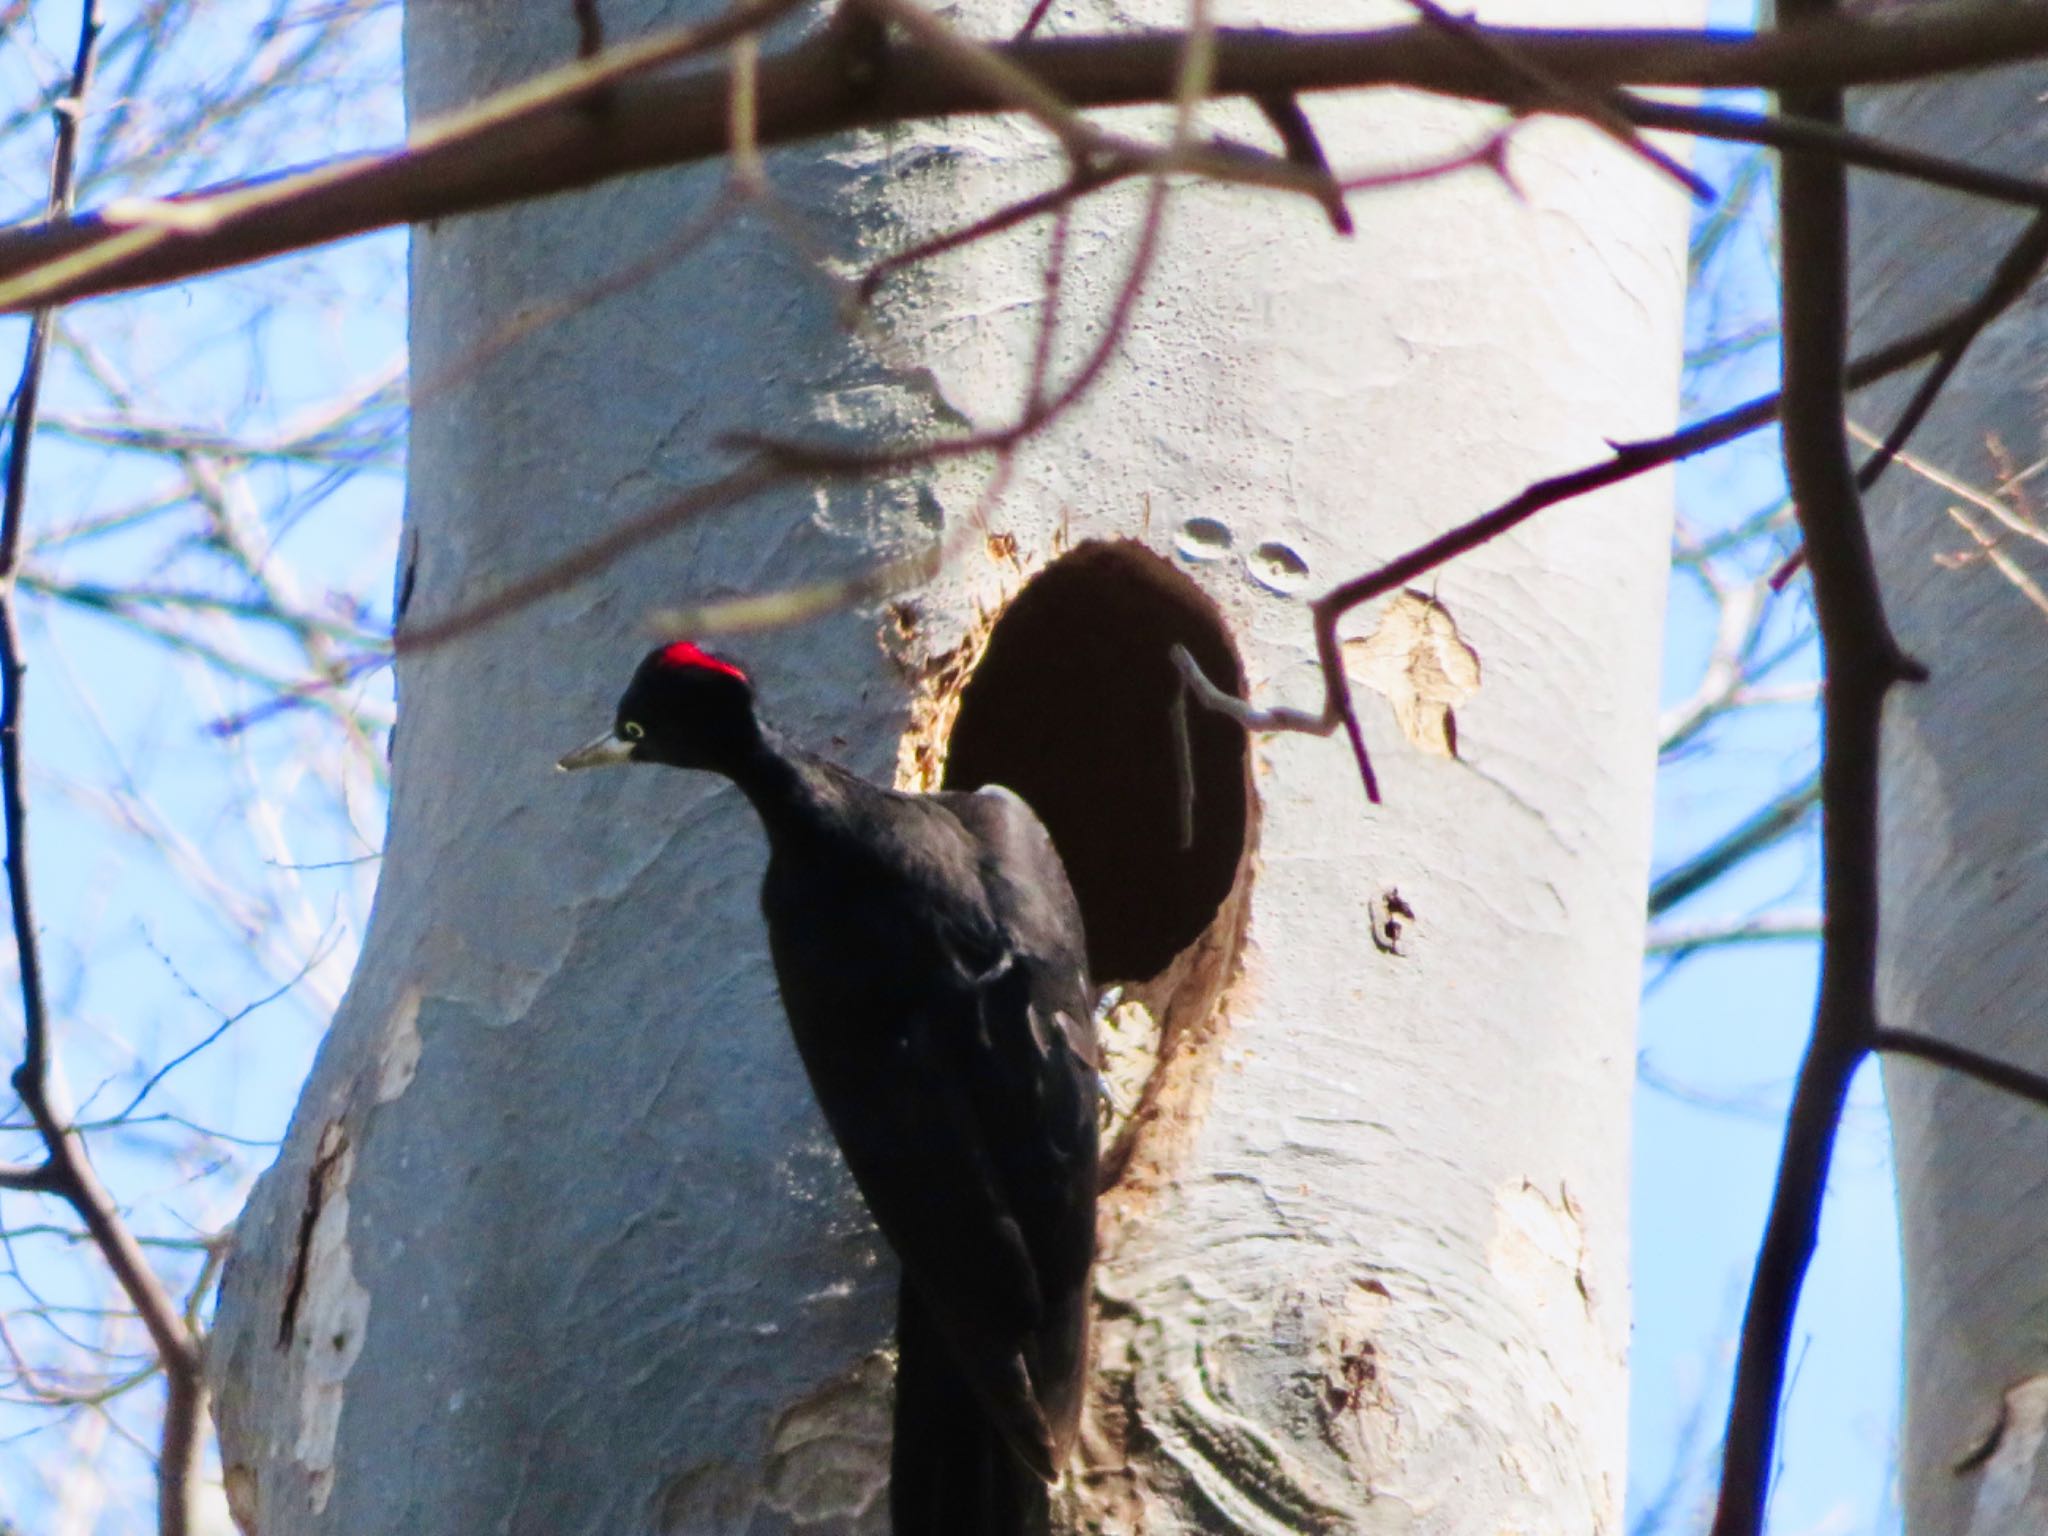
[950,1473]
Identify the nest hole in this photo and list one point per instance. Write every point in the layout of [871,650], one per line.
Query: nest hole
[1072,707]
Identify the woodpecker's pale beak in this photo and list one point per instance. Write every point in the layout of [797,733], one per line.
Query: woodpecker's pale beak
[608,749]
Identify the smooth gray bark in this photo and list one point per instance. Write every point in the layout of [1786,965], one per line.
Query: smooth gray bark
[1965,868]
[558,1242]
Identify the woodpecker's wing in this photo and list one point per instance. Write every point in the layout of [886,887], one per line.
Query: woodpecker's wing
[939,998]
[1028,889]
[1031,1088]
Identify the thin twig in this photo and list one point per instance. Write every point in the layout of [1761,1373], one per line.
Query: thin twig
[1183,753]
[1057,200]
[1051,292]
[1596,105]
[1489,154]
[1337,707]
[1991,501]
[1272,720]
[2013,276]
[1766,828]
[793,605]
[1675,942]
[227,1022]
[693,232]
[2031,1086]
[2002,562]
[749,171]
[1039,411]
[1031,22]
[1783,132]
[139,229]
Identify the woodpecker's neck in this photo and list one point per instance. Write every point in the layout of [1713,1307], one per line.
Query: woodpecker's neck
[798,795]
[774,773]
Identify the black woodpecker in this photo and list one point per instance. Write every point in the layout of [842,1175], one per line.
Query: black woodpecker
[932,964]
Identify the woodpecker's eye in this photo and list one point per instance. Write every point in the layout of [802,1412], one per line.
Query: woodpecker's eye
[632,730]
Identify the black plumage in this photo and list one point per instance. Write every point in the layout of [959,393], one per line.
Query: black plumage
[931,960]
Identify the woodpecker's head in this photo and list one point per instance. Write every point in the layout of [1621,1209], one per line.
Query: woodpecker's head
[685,707]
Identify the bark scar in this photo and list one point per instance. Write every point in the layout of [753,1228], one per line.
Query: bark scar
[333,1143]
[1391,915]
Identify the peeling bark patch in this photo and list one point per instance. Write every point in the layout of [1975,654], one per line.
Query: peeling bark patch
[829,1458]
[1416,660]
[329,1315]
[239,1484]
[1538,1248]
[2013,1492]
[398,1051]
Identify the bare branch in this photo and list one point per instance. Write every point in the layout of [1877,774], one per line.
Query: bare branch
[536,139]
[1283,110]
[1863,662]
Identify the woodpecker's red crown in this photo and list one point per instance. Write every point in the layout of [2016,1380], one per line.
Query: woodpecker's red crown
[683,656]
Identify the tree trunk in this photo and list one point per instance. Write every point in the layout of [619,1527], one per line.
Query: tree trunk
[558,1242]
[1964,880]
